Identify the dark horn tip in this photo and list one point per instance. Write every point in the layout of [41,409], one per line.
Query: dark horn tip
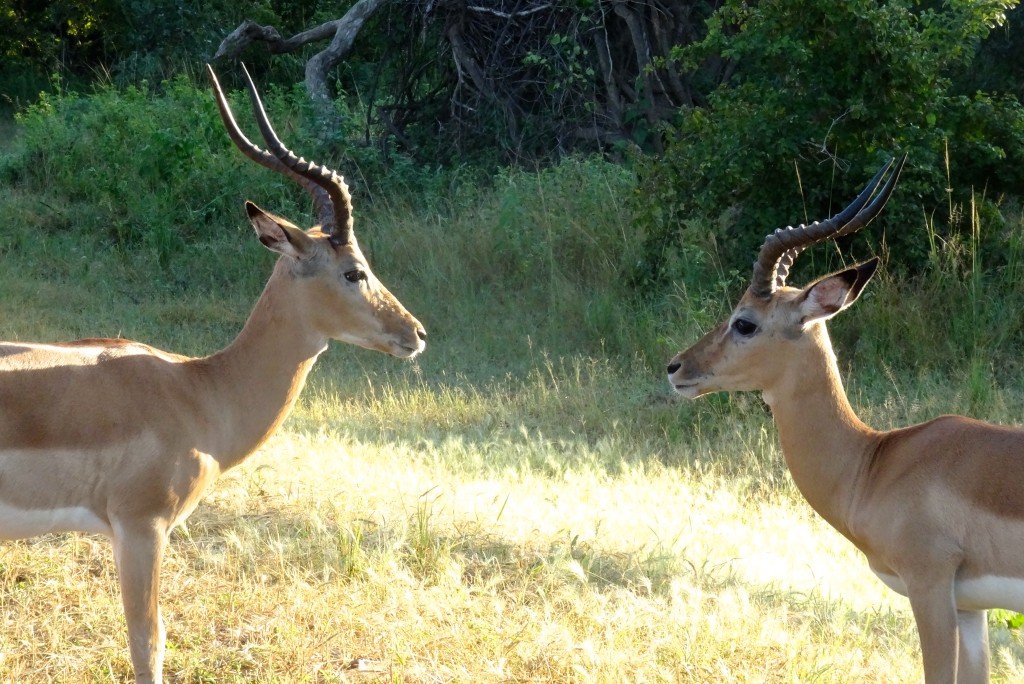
[900,164]
[771,268]
[894,167]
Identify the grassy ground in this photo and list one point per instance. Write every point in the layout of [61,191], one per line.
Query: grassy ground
[527,502]
[480,555]
[543,517]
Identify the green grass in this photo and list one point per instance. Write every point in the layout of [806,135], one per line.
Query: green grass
[526,501]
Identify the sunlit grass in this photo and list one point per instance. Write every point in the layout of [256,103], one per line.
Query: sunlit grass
[326,554]
[485,552]
[527,501]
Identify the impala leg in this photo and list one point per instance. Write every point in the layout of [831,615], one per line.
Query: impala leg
[973,663]
[138,552]
[936,616]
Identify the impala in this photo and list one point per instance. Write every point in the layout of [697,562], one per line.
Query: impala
[116,437]
[936,508]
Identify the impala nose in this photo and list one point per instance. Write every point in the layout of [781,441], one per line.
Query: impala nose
[673,367]
[421,333]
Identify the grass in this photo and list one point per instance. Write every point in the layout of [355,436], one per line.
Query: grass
[574,523]
[328,554]
[527,502]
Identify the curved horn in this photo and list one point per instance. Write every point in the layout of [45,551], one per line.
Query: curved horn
[782,247]
[330,194]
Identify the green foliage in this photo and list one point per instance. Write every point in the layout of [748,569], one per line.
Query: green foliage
[997,65]
[128,41]
[973,280]
[143,172]
[1006,618]
[822,94]
[150,176]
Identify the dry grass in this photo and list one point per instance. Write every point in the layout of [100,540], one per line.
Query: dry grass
[494,514]
[332,559]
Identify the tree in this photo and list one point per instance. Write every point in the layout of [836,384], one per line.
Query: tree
[542,78]
[820,93]
[342,33]
[80,40]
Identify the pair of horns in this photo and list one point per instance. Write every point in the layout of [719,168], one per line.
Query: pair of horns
[331,198]
[782,247]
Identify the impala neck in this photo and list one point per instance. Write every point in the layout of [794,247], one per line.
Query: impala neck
[824,443]
[256,380]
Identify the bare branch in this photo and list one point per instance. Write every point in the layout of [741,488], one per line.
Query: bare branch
[342,32]
[508,15]
[535,73]
[465,63]
[249,32]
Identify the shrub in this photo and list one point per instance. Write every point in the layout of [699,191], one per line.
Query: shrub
[822,94]
[151,169]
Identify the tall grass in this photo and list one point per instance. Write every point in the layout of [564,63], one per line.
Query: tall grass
[525,502]
[952,332]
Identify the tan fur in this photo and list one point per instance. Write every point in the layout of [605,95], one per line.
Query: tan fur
[118,437]
[937,508]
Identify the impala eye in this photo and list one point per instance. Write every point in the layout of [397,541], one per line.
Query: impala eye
[355,275]
[744,327]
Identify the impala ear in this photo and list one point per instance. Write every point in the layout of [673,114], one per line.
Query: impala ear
[278,234]
[830,295]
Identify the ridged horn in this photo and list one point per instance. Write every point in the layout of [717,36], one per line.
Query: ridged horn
[331,198]
[782,247]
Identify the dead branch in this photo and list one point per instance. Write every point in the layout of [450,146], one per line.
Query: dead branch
[249,32]
[342,32]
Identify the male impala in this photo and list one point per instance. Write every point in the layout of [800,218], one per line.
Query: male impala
[119,438]
[937,508]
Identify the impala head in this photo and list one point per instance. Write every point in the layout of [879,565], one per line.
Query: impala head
[774,326]
[343,298]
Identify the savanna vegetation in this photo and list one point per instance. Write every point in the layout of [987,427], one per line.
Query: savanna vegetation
[527,501]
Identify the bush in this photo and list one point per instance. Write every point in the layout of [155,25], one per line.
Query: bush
[150,174]
[151,169]
[823,93]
